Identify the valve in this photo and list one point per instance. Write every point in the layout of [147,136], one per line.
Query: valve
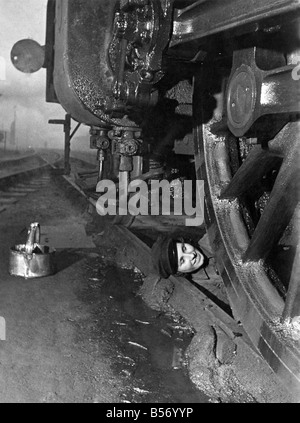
[99,140]
[126,143]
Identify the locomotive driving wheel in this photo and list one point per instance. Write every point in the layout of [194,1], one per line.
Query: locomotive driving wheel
[247,152]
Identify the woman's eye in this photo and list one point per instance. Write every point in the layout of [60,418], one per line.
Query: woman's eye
[183,248]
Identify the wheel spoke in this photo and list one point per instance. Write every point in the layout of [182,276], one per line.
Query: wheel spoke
[280,93]
[279,210]
[250,206]
[286,140]
[250,174]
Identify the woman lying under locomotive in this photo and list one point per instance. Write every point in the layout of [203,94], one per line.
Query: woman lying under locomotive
[193,260]
[172,256]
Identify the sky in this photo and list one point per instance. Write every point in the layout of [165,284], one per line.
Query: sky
[21,19]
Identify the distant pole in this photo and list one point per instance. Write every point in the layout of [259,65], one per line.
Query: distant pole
[4,137]
[68,136]
[15,125]
[67,130]
[4,133]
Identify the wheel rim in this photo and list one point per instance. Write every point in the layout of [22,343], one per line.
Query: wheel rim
[242,258]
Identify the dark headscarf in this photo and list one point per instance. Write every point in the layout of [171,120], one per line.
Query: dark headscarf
[164,256]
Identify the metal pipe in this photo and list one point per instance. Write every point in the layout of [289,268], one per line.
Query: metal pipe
[100,158]
[203,19]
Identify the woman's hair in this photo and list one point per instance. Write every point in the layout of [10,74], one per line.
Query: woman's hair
[164,256]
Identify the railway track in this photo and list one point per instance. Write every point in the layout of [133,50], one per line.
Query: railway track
[196,305]
[13,194]
[22,176]
[243,114]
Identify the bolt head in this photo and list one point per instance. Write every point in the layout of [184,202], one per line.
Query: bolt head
[241,100]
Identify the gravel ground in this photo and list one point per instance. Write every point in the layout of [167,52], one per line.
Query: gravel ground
[83,334]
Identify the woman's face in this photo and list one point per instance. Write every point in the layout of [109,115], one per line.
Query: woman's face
[189,258]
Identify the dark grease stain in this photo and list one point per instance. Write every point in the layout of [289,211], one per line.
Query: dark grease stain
[146,348]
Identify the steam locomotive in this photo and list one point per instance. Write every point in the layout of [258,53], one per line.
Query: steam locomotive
[214,80]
